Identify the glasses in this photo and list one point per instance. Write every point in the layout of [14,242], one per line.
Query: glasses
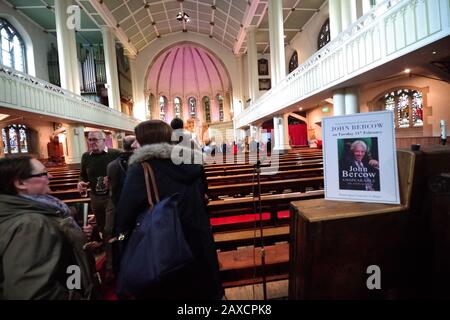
[94,139]
[42,174]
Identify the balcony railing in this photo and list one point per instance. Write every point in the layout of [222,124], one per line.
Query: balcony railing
[21,91]
[392,29]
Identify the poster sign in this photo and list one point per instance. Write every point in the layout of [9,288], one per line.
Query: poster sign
[360,159]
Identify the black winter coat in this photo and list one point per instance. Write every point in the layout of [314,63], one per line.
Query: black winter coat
[201,279]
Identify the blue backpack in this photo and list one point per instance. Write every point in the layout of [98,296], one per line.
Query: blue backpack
[157,247]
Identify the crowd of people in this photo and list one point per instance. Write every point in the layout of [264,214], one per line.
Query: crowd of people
[44,252]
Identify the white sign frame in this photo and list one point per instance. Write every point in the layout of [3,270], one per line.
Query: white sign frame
[349,180]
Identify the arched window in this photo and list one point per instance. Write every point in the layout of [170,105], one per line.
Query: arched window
[177,107]
[162,107]
[324,35]
[151,101]
[293,63]
[407,105]
[15,139]
[192,107]
[220,100]
[207,107]
[12,53]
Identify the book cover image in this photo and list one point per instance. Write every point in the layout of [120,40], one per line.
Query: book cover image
[360,157]
[359,167]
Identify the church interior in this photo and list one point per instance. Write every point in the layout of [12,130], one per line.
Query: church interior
[245,73]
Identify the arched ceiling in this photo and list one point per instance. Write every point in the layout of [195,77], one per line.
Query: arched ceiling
[139,23]
[185,70]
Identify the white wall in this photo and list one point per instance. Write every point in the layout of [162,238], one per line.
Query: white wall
[145,58]
[314,116]
[37,42]
[305,42]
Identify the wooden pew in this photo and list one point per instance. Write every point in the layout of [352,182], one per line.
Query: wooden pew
[238,267]
[63,186]
[278,186]
[264,163]
[63,180]
[249,177]
[66,194]
[266,169]
[234,207]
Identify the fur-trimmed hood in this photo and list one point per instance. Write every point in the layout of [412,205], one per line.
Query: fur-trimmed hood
[172,160]
[165,151]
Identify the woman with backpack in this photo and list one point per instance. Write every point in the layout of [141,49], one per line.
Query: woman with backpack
[200,278]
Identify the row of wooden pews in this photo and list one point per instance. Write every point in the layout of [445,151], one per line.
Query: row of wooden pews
[63,185]
[235,216]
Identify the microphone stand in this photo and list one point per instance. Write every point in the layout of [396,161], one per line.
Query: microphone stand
[257,170]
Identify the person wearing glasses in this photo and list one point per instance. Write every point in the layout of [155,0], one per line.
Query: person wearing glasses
[41,246]
[93,172]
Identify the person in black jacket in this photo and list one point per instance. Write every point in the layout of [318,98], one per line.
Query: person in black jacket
[116,173]
[200,280]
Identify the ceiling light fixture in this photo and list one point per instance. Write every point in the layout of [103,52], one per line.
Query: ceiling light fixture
[407,70]
[183,16]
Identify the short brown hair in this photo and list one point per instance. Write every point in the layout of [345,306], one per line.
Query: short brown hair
[12,169]
[153,131]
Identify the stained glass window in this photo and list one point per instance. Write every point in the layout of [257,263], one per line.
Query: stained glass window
[5,146]
[177,106]
[293,63]
[417,109]
[192,107]
[162,108]
[12,53]
[15,139]
[220,98]
[324,35]
[23,145]
[207,109]
[13,144]
[407,105]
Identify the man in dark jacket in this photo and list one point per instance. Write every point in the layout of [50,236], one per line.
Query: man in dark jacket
[93,172]
[116,172]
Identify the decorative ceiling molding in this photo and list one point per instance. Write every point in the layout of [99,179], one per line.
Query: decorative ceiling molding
[249,14]
[106,15]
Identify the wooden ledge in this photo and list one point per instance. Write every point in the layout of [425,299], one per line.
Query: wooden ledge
[321,210]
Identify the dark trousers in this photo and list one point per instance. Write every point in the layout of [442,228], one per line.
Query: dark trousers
[98,204]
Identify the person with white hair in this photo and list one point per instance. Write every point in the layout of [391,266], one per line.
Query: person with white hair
[93,173]
[359,171]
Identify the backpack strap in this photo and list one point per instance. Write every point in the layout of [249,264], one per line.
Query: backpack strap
[150,184]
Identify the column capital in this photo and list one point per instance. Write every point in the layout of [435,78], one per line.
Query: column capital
[251,29]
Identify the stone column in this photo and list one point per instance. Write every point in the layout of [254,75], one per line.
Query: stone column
[348,13]
[252,65]
[112,75]
[67,48]
[276,36]
[76,144]
[227,107]
[335,18]
[281,135]
[351,100]
[366,7]
[339,102]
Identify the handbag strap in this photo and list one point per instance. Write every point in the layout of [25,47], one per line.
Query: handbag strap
[150,184]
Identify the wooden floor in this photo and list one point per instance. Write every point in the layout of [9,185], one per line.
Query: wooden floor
[275,290]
